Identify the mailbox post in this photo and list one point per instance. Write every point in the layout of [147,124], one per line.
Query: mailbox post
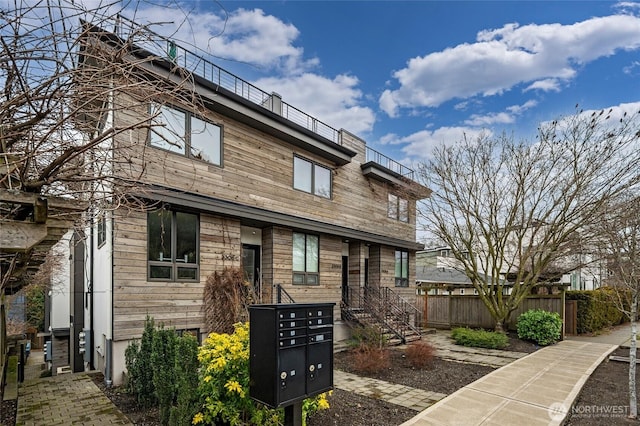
[290,353]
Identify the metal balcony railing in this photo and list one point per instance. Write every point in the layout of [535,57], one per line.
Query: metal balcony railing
[386,162]
[167,49]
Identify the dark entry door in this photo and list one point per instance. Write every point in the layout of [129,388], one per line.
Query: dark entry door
[345,280]
[251,267]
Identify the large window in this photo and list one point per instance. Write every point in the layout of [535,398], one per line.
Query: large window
[398,208]
[402,268]
[173,245]
[311,177]
[184,133]
[306,257]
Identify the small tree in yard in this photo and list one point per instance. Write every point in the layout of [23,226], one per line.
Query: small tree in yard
[514,212]
[620,246]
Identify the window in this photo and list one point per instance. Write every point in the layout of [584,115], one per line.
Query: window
[398,208]
[102,229]
[305,259]
[184,133]
[173,246]
[311,177]
[402,268]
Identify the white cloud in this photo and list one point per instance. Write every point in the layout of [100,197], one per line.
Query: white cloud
[337,102]
[631,69]
[505,117]
[419,146]
[546,85]
[242,35]
[543,55]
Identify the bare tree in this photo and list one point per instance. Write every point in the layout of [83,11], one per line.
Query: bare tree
[620,246]
[61,68]
[513,213]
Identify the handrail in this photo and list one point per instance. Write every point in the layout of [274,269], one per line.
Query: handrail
[198,65]
[283,296]
[389,309]
[386,162]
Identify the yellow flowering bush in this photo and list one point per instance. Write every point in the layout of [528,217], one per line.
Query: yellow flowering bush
[224,384]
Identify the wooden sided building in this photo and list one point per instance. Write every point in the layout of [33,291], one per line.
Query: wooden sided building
[232,176]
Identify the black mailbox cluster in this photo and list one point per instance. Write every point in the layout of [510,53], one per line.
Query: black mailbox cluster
[291,352]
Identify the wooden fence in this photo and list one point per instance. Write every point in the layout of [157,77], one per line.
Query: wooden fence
[470,311]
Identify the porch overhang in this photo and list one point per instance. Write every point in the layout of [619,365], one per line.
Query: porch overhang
[257,217]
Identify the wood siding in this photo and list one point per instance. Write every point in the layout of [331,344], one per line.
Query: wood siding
[257,171]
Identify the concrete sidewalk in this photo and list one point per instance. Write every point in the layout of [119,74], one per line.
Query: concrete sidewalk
[538,389]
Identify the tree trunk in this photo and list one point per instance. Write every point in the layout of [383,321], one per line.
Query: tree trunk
[633,401]
[499,328]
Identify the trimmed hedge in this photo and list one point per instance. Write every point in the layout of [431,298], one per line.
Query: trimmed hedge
[479,338]
[596,309]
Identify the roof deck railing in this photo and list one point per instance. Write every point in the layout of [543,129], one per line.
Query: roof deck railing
[164,47]
[386,162]
[198,65]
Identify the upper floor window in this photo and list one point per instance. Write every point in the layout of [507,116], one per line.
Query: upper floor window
[306,255]
[173,245]
[398,208]
[402,268]
[184,133]
[311,177]
[102,229]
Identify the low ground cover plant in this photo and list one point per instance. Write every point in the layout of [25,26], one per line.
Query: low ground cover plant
[479,338]
[539,326]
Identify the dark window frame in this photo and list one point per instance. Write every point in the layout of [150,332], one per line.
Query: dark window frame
[173,263]
[394,209]
[308,278]
[401,281]
[101,231]
[187,132]
[313,165]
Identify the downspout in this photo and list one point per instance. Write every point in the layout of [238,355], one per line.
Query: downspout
[91,275]
[108,373]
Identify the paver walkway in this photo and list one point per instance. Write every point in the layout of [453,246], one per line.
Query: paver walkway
[415,399]
[447,349]
[67,399]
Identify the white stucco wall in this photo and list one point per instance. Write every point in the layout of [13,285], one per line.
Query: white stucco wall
[61,284]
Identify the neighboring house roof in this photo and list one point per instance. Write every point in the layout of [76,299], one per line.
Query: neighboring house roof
[432,275]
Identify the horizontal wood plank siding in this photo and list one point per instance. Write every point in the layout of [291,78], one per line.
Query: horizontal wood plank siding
[257,171]
[174,304]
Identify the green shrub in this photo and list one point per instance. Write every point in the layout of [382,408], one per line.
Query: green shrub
[596,309]
[186,378]
[367,336]
[140,367]
[540,326]
[479,338]
[163,359]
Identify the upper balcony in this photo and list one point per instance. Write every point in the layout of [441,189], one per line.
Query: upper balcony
[325,140]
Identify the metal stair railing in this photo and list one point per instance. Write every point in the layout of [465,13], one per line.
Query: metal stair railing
[387,308]
[282,296]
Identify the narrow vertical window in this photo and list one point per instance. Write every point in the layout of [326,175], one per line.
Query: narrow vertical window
[306,256]
[402,268]
[102,229]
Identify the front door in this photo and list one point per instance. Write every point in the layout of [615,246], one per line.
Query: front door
[251,268]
